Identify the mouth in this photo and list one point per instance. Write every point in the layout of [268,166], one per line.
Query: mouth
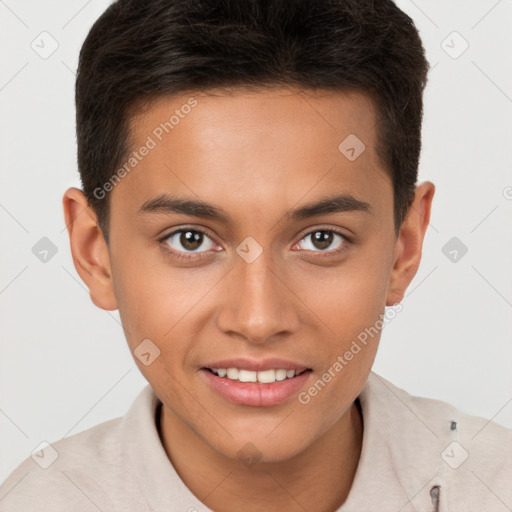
[264,386]
[268,376]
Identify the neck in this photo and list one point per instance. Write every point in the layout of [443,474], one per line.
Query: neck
[318,479]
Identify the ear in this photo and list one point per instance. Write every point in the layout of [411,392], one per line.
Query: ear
[89,249]
[407,252]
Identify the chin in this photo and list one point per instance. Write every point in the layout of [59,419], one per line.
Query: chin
[257,450]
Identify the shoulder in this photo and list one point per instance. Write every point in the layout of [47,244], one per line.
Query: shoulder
[53,477]
[80,473]
[470,457]
[444,421]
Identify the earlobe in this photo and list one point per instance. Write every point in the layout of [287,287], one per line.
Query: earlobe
[90,252]
[408,247]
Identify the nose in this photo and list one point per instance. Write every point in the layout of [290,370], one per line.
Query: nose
[258,304]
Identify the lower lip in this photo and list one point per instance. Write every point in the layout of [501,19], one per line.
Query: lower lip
[254,393]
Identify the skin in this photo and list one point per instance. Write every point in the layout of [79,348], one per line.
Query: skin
[256,155]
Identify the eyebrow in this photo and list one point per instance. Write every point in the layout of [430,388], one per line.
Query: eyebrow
[168,204]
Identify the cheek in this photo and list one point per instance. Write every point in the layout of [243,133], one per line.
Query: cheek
[351,309]
[154,298]
[349,302]
[155,304]
[348,297]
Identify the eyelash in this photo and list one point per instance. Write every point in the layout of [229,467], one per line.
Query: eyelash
[199,255]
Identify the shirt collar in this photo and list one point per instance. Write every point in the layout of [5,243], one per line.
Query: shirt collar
[394,468]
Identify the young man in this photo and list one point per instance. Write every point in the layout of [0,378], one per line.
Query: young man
[250,206]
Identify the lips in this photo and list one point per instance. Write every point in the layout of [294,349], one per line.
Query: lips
[239,380]
[255,394]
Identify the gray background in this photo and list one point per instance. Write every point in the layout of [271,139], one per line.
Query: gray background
[64,363]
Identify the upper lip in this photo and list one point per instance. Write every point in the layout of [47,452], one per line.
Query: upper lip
[257,365]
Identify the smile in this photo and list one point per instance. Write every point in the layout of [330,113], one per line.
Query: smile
[261,388]
[264,376]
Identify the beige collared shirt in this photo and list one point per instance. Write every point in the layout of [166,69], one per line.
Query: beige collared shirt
[418,455]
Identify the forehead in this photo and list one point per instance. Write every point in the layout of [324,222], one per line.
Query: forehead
[261,145]
[241,115]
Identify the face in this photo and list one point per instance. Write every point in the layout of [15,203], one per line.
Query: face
[246,237]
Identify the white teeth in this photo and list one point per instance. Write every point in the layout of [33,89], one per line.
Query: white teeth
[232,373]
[264,376]
[280,374]
[247,376]
[267,376]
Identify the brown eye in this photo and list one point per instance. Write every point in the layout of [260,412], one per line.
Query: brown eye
[323,240]
[191,240]
[186,240]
